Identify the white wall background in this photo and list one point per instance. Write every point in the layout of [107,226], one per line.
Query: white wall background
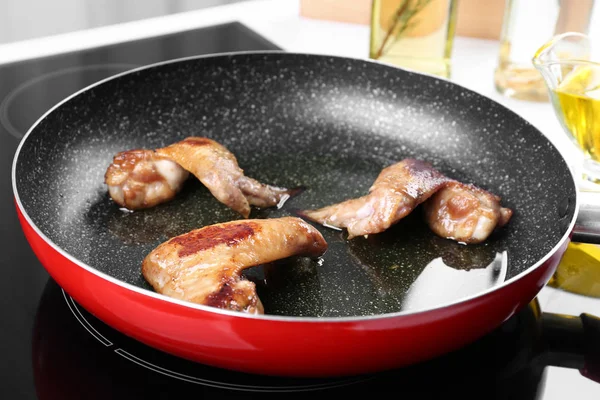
[26,19]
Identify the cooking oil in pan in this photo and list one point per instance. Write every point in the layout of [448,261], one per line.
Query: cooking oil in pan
[579,270]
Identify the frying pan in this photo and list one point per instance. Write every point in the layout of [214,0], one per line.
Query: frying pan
[328,124]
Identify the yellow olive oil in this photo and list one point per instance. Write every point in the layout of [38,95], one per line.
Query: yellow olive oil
[577,101]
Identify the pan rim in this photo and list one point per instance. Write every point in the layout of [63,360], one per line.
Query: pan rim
[285,318]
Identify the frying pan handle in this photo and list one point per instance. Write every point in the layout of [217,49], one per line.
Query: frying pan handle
[591,332]
[572,342]
[587,225]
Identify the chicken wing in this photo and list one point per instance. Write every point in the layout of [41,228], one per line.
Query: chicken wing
[204,266]
[398,189]
[142,178]
[217,168]
[465,213]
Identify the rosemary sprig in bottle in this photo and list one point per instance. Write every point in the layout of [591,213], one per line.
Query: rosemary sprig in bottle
[402,20]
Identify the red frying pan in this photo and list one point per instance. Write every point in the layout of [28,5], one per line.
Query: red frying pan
[330,125]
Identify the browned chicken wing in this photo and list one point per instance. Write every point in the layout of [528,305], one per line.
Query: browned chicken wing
[141,178]
[465,213]
[144,178]
[217,168]
[204,266]
[398,189]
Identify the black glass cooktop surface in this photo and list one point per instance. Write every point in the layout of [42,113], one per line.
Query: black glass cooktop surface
[53,349]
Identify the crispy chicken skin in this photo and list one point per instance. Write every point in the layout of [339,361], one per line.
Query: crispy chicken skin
[398,189]
[141,178]
[217,168]
[465,213]
[204,266]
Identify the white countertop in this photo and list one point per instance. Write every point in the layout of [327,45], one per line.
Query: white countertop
[474,61]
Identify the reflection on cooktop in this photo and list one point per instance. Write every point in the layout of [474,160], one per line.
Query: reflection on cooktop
[75,355]
[70,345]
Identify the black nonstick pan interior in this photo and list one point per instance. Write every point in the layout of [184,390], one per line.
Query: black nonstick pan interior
[325,123]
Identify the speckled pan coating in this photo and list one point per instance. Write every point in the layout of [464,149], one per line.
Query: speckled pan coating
[327,123]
